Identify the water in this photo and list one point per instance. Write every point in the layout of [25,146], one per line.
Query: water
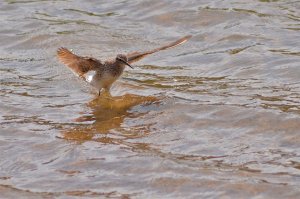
[217,117]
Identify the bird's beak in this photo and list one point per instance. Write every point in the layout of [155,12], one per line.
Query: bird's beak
[125,62]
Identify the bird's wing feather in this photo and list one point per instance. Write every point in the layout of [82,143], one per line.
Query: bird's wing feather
[80,65]
[136,56]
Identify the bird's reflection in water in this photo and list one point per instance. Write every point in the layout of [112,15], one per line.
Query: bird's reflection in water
[104,121]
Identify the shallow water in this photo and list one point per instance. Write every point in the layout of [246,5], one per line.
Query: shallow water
[217,117]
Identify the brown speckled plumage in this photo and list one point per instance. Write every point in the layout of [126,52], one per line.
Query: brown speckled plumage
[103,75]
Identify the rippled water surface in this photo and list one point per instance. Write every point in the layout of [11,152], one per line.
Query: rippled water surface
[217,117]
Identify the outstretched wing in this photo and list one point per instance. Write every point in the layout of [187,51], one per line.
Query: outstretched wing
[80,65]
[136,56]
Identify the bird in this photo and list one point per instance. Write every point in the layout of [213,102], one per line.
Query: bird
[102,74]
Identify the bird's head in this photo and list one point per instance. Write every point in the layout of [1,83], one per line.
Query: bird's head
[123,59]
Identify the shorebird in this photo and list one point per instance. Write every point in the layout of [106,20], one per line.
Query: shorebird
[102,75]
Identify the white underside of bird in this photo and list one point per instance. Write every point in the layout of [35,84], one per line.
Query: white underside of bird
[105,81]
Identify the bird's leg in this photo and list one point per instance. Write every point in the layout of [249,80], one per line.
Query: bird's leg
[106,93]
[99,92]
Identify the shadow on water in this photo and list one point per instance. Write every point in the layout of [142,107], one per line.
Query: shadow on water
[106,125]
[107,115]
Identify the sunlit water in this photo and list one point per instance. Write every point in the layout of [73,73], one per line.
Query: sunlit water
[216,117]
